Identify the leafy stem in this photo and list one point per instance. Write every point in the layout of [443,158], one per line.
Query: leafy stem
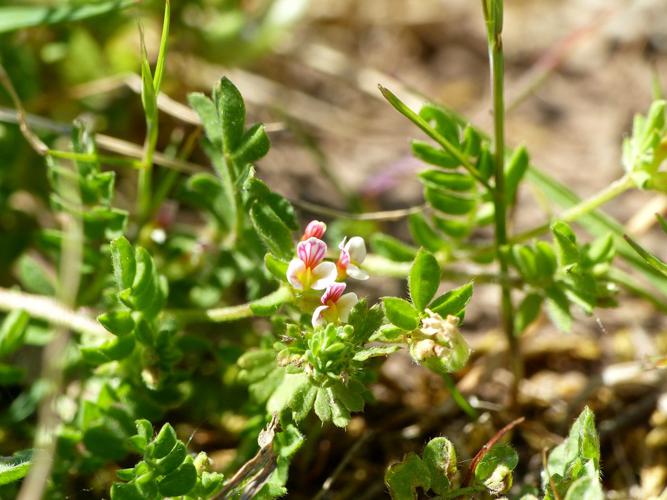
[428,130]
[150,89]
[575,212]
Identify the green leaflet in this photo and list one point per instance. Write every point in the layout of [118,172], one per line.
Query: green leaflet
[16,467]
[453,302]
[401,313]
[424,234]
[494,470]
[272,230]
[180,481]
[123,261]
[574,465]
[440,459]
[424,279]
[231,110]
[392,248]
[34,277]
[254,146]
[527,312]
[12,332]
[404,478]
[208,114]
[167,469]
[436,470]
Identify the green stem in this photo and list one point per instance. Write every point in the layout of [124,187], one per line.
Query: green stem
[458,398]
[581,209]
[607,194]
[144,182]
[234,171]
[232,313]
[493,13]
[170,177]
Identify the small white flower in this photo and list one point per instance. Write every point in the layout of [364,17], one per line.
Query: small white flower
[307,270]
[440,343]
[352,254]
[335,306]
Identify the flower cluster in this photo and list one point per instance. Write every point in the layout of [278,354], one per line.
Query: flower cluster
[439,343]
[310,271]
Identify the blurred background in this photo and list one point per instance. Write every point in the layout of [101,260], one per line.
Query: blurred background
[577,71]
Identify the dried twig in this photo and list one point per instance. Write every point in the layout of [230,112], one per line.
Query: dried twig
[35,142]
[259,468]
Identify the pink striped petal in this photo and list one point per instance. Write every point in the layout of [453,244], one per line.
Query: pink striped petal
[311,252]
[314,229]
[333,293]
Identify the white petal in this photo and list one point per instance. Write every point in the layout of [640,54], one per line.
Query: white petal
[318,319]
[345,305]
[356,273]
[296,267]
[323,275]
[357,249]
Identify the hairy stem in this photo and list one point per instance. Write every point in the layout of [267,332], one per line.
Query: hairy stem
[232,313]
[52,311]
[53,354]
[58,314]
